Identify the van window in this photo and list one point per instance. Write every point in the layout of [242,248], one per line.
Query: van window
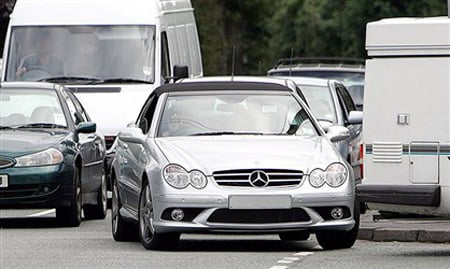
[165,58]
[196,65]
[95,52]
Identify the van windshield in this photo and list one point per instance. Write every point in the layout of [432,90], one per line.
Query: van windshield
[81,53]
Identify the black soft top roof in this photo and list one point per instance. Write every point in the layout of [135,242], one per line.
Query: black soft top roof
[226,86]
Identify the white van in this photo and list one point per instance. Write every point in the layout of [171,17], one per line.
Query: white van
[407,116]
[111,53]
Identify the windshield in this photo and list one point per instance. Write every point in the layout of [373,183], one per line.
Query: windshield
[24,107]
[94,52]
[353,81]
[320,102]
[234,114]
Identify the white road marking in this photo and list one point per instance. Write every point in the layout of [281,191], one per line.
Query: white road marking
[291,258]
[304,253]
[43,213]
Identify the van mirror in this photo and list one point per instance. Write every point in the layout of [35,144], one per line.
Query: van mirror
[355,117]
[337,133]
[180,71]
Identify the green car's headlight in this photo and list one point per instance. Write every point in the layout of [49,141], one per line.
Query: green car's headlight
[177,177]
[50,156]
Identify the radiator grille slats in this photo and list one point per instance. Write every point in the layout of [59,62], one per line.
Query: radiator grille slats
[240,178]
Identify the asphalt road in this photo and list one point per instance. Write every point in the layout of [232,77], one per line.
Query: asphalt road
[37,242]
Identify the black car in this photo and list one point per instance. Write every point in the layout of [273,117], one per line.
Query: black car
[50,153]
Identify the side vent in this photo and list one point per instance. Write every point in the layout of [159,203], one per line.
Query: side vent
[387,152]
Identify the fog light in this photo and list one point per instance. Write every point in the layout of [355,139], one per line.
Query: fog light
[177,214]
[337,213]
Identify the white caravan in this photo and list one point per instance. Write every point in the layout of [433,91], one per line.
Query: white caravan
[111,53]
[407,116]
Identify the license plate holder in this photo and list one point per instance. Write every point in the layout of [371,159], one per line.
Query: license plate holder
[259,202]
[3,181]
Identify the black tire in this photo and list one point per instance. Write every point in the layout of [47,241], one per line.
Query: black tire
[122,230]
[149,238]
[99,210]
[71,216]
[329,240]
[294,236]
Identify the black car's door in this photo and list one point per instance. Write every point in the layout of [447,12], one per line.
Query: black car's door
[132,158]
[91,148]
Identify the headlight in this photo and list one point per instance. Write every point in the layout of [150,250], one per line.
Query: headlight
[177,177]
[197,179]
[316,178]
[335,175]
[50,156]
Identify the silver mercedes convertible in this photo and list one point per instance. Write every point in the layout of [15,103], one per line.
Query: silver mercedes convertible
[231,155]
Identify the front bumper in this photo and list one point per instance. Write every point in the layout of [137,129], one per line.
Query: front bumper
[37,187]
[214,215]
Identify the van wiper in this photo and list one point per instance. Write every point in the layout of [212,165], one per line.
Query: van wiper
[65,79]
[40,125]
[5,127]
[120,80]
[226,133]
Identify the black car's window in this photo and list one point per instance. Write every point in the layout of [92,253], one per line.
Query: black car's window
[346,99]
[234,114]
[146,118]
[28,107]
[74,114]
[79,107]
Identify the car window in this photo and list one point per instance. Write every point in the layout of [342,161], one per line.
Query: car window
[146,118]
[74,114]
[79,107]
[233,114]
[346,99]
[26,106]
[320,102]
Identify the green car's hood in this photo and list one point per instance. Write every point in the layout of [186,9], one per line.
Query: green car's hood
[14,143]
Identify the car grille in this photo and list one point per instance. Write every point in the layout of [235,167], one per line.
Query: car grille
[240,178]
[258,216]
[6,162]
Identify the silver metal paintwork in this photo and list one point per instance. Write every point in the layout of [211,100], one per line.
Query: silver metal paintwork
[140,157]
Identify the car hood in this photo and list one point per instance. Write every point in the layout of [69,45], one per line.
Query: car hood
[14,143]
[211,154]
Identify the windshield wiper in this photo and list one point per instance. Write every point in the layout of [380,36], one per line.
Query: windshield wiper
[120,80]
[5,127]
[226,133]
[62,79]
[40,125]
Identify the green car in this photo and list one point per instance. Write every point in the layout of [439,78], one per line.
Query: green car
[50,153]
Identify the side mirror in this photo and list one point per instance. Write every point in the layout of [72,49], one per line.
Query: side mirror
[337,133]
[132,135]
[86,128]
[180,71]
[355,117]
[325,125]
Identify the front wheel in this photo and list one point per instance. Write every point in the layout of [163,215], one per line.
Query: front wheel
[150,239]
[71,215]
[340,239]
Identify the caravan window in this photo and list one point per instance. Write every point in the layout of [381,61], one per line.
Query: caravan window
[98,52]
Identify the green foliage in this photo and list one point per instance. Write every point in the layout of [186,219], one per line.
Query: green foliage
[262,31]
